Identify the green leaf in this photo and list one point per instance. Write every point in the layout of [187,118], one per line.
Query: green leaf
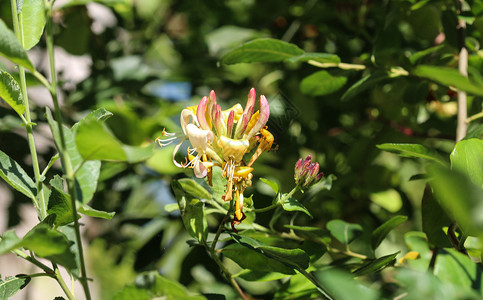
[375,265]
[448,77]
[194,188]
[460,198]
[11,285]
[95,142]
[380,233]
[87,172]
[250,275]
[341,285]
[45,241]
[434,219]
[321,83]
[60,205]
[10,92]
[344,232]
[412,150]
[297,288]
[272,184]
[262,50]
[33,22]
[467,157]
[324,58]
[8,242]
[151,285]
[294,258]
[292,204]
[192,213]
[364,83]
[253,260]
[14,175]
[219,184]
[453,267]
[91,212]
[12,49]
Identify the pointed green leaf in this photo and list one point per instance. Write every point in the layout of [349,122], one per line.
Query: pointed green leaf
[262,50]
[9,241]
[380,233]
[11,285]
[321,83]
[343,231]
[271,184]
[33,22]
[413,150]
[448,77]
[194,188]
[375,265]
[294,258]
[292,204]
[87,172]
[254,260]
[324,58]
[10,92]
[12,49]
[14,175]
[60,205]
[45,241]
[91,212]
[467,157]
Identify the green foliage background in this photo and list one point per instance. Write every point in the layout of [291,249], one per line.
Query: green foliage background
[149,59]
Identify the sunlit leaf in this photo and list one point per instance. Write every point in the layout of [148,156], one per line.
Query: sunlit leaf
[11,285]
[194,188]
[10,92]
[91,212]
[292,204]
[318,57]
[467,157]
[460,198]
[16,177]
[448,77]
[12,49]
[33,22]
[272,184]
[262,50]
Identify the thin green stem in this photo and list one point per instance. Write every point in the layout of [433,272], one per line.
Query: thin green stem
[66,163]
[474,117]
[62,284]
[40,202]
[33,261]
[220,228]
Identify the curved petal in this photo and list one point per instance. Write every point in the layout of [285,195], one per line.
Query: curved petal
[229,123]
[201,114]
[249,108]
[200,169]
[200,139]
[186,114]
[176,148]
[262,118]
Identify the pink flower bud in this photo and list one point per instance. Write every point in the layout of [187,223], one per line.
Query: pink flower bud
[229,123]
[201,114]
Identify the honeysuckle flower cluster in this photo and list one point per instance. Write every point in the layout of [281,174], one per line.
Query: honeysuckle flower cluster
[223,138]
[307,173]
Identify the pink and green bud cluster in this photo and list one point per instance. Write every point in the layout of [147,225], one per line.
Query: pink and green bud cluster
[306,172]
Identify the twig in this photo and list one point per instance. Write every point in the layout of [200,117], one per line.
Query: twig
[463,69]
